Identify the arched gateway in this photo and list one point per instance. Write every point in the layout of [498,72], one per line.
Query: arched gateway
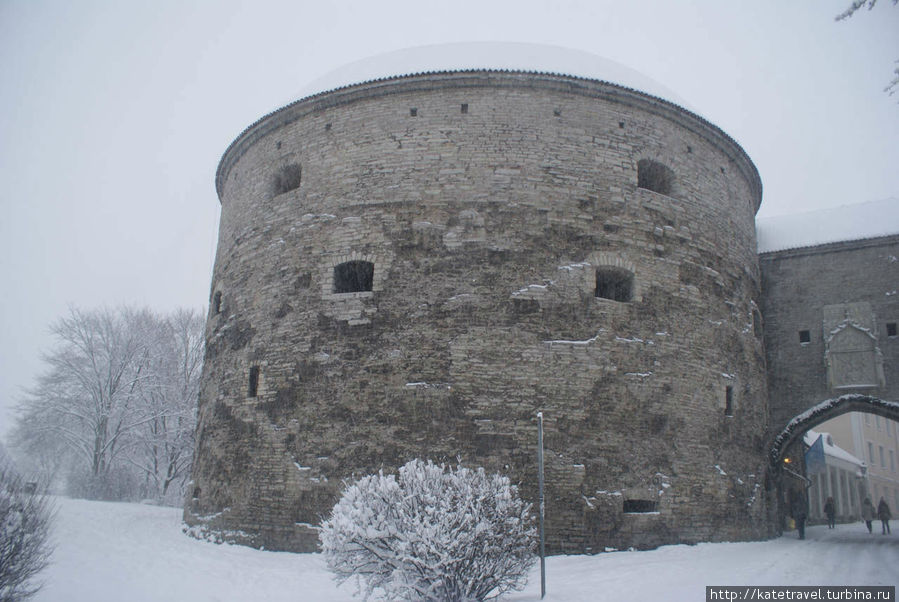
[823,412]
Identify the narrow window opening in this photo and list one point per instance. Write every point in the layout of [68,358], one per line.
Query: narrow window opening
[655,176]
[891,329]
[286,179]
[253,387]
[805,337]
[464,107]
[729,401]
[640,506]
[614,283]
[353,277]
[217,302]
[757,324]
[413,112]
[621,125]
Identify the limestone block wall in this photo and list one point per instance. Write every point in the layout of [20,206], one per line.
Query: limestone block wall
[824,305]
[487,216]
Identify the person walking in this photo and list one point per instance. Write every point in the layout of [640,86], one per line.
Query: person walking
[798,511]
[868,513]
[884,514]
[831,512]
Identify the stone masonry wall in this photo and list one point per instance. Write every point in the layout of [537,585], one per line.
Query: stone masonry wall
[487,204]
[824,290]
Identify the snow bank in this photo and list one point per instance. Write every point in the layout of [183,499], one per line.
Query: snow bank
[111,552]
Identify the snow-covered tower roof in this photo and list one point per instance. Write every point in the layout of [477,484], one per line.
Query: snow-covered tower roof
[492,56]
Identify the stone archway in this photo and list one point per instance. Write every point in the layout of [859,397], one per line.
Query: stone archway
[822,412]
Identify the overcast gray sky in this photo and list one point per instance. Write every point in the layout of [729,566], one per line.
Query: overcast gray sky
[114,114]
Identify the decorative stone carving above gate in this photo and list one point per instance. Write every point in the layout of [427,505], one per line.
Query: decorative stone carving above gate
[852,356]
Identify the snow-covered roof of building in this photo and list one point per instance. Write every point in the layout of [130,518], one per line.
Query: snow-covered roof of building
[499,56]
[837,224]
[830,448]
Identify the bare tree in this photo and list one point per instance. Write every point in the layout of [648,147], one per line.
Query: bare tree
[118,396]
[39,452]
[25,518]
[168,394]
[851,10]
[86,396]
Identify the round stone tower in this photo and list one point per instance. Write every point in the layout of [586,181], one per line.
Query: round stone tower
[414,266]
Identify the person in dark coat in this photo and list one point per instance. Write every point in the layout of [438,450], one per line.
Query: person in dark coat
[798,511]
[868,513]
[831,512]
[884,514]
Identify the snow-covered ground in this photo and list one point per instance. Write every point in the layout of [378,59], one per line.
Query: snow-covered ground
[113,552]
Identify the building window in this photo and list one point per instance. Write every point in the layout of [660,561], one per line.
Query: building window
[640,506]
[253,387]
[877,421]
[805,337]
[892,461]
[286,179]
[870,453]
[891,329]
[217,302]
[729,401]
[655,176]
[353,276]
[883,463]
[614,283]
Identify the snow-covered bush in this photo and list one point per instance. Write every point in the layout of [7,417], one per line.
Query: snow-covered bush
[433,533]
[25,516]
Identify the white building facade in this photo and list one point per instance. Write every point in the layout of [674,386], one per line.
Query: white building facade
[842,477]
[876,441]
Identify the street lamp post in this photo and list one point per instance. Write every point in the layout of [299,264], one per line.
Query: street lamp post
[541,504]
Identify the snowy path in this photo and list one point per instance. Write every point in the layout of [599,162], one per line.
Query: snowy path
[111,552]
[847,555]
